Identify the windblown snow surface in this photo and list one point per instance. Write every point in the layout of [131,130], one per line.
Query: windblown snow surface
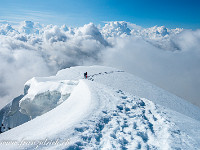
[110,110]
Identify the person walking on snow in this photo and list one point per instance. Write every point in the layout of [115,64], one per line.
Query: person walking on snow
[85,75]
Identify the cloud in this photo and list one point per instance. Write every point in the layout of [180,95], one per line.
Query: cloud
[116,28]
[167,57]
[17,66]
[188,40]
[175,71]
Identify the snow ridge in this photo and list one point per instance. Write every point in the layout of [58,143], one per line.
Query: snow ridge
[131,123]
[100,113]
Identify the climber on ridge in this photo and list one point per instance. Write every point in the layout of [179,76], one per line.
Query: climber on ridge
[85,75]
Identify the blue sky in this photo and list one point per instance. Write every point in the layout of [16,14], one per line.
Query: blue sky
[146,13]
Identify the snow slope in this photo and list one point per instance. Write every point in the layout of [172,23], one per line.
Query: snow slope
[109,110]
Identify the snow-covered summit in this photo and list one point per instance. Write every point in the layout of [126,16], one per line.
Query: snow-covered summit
[111,109]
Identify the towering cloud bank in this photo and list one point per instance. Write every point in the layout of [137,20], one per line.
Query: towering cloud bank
[167,57]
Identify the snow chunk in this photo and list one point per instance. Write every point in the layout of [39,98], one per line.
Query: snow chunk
[44,96]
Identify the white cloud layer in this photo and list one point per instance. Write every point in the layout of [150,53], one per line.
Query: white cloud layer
[169,58]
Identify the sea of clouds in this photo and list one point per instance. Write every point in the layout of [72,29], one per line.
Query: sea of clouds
[169,58]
